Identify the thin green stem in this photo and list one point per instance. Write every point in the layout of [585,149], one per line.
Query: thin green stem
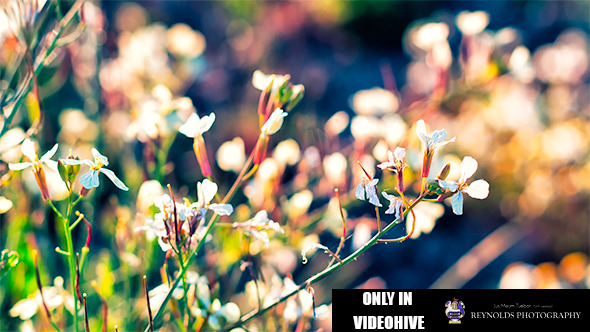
[72,262]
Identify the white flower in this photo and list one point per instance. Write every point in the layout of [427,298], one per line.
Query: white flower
[206,190]
[369,188]
[257,227]
[196,126]
[55,296]
[433,141]
[395,205]
[311,247]
[274,122]
[478,189]
[90,179]
[395,160]
[261,81]
[28,150]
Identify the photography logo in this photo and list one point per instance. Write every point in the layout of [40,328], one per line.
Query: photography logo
[455,311]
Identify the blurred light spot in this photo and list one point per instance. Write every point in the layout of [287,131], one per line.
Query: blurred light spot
[231,155]
[472,23]
[287,152]
[337,123]
[573,267]
[517,276]
[240,35]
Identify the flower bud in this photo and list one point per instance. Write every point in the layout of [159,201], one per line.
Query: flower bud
[433,187]
[297,94]
[41,182]
[274,122]
[444,172]
[426,162]
[201,154]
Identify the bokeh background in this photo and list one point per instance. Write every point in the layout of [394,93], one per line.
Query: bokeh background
[512,86]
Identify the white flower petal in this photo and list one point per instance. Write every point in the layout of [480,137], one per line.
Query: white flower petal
[479,189]
[231,312]
[274,122]
[28,149]
[457,203]
[399,153]
[360,192]
[97,156]
[221,209]
[468,168]
[51,164]
[206,123]
[451,185]
[209,189]
[421,131]
[19,166]
[77,162]
[438,136]
[90,179]
[111,175]
[191,127]
[49,153]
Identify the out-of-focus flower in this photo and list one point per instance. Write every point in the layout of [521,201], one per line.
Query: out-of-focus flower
[426,215]
[472,23]
[520,64]
[565,61]
[428,35]
[28,150]
[5,204]
[90,179]
[231,155]
[274,123]
[395,205]
[148,191]
[258,226]
[337,123]
[364,127]
[10,144]
[287,152]
[335,166]
[75,126]
[478,189]
[55,297]
[219,315]
[183,41]
[195,126]
[298,204]
[375,101]
[430,142]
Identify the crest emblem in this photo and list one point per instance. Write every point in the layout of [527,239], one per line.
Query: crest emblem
[455,311]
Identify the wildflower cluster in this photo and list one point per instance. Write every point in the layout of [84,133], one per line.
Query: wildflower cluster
[212,218]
